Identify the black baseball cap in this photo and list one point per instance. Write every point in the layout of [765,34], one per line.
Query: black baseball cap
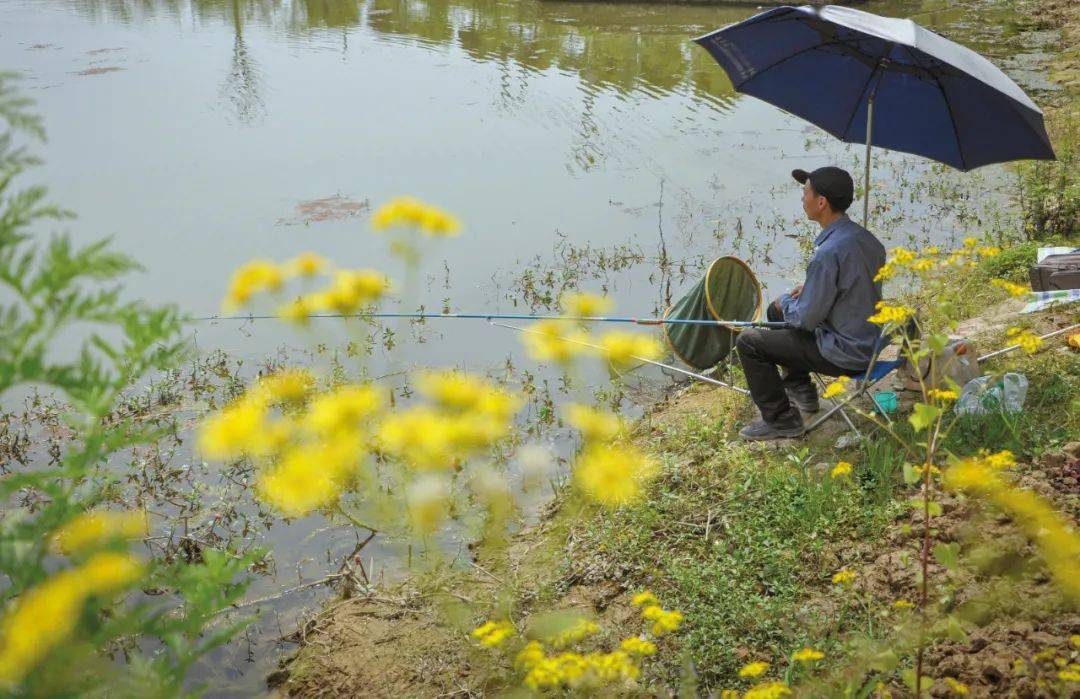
[830,182]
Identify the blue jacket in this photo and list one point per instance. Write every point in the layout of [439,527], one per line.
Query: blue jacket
[840,293]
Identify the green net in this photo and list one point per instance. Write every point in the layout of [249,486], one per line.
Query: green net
[728,291]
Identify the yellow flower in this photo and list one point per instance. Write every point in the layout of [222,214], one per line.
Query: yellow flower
[251,278]
[529,656]
[95,528]
[989,251]
[419,436]
[958,689]
[453,390]
[107,572]
[902,604]
[595,425]
[940,395]
[343,410]
[844,578]
[638,647]
[623,348]
[886,272]
[1012,288]
[1075,640]
[836,387]
[236,430]
[807,655]
[493,634]
[300,484]
[585,304]
[1001,460]
[887,314]
[970,242]
[300,309]
[645,598]
[730,694]
[578,630]
[307,264]
[1069,675]
[1024,339]
[841,469]
[553,340]
[921,265]
[351,290]
[287,385]
[902,256]
[612,475]
[753,669]
[665,622]
[46,615]
[410,212]
[768,690]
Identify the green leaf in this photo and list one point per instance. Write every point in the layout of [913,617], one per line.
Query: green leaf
[909,680]
[911,476]
[937,342]
[923,415]
[948,555]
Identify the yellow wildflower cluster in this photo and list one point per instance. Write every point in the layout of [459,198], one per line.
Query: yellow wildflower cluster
[613,475]
[942,395]
[492,634]
[585,304]
[622,349]
[1054,534]
[902,604]
[663,621]
[91,529]
[1012,288]
[807,655]
[844,578]
[308,455]
[638,647]
[768,690]
[555,341]
[251,278]
[595,425]
[841,470]
[1024,339]
[643,599]
[348,292]
[836,387]
[890,315]
[47,615]
[755,669]
[575,671]
[578,630]
[407,212]
[933,258]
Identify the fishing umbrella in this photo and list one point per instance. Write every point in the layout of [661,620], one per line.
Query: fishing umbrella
[884,82]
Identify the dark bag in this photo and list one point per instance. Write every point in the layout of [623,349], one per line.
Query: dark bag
[1057,272]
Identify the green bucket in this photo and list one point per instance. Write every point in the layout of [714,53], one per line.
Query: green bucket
[728,291]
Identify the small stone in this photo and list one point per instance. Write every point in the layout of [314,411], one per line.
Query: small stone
[977,644]
[1021,628]
[993,671]
[1043,639]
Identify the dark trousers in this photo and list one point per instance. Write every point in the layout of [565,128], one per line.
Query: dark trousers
[762,349]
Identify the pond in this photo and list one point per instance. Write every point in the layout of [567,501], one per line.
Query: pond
[587,146]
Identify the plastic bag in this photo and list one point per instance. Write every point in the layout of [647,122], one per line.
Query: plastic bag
[990,394]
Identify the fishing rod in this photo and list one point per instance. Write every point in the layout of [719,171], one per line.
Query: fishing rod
[521,316]
[691,374]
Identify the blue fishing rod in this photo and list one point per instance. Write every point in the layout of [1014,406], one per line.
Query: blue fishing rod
[520,316]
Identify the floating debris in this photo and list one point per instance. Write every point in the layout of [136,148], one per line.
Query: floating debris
[99,70]
[333,208]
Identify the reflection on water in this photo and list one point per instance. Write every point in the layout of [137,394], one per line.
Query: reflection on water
[242,84]
[611,47]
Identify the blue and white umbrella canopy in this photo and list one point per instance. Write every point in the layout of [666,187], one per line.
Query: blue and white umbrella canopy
[853,73]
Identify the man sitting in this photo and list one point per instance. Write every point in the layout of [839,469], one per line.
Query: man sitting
[828,311]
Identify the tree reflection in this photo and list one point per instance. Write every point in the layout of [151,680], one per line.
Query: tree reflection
[242,87]
[612,47]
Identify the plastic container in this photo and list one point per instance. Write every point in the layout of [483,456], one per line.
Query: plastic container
[885,401]
[989,394]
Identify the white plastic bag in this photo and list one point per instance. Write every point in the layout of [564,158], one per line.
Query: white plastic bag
[989,394]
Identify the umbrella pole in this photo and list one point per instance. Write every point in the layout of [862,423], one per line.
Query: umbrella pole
[866,176]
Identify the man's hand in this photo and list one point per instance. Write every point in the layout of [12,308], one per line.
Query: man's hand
[794,293]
